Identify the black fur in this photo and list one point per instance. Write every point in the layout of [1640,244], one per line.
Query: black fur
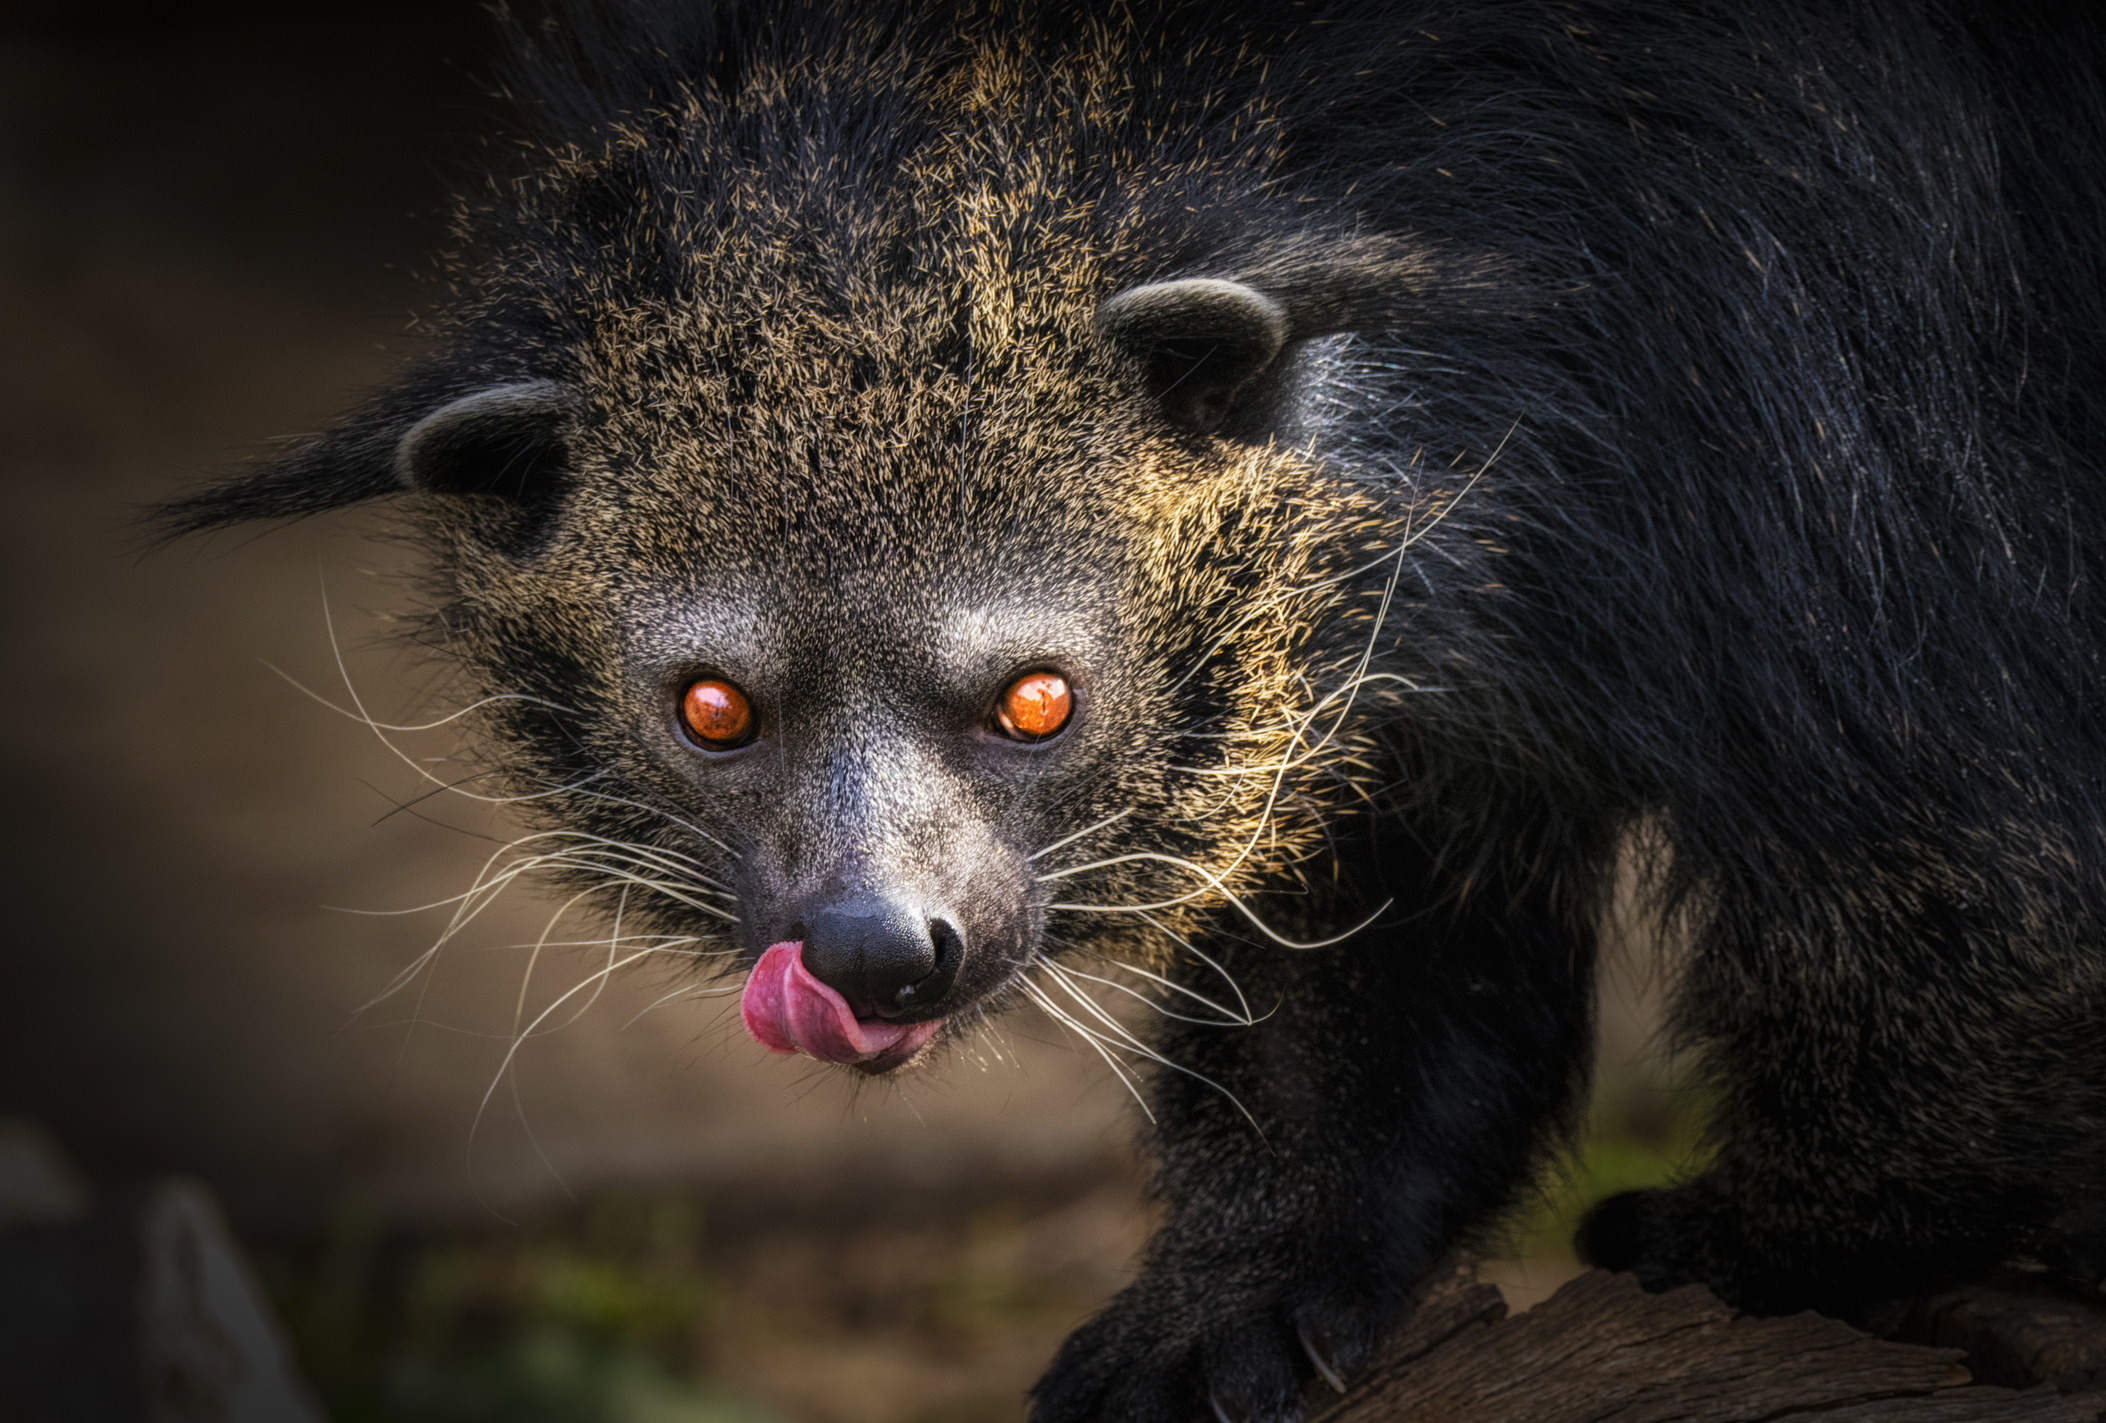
[1719,424]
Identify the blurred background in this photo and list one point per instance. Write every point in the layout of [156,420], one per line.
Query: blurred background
[212,216]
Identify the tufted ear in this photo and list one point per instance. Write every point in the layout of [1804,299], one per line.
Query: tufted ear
[1208,346]
[507,441]
[1199,342]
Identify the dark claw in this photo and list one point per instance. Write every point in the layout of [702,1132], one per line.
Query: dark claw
[1317,1345]
[1222,1414]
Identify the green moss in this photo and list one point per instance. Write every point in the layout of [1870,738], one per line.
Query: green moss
[1631,1142]
[591,1320]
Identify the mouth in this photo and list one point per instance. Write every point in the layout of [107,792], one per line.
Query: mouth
[787,1010]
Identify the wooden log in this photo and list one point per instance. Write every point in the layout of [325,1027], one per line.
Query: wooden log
[2017,1329]
[1602,1350]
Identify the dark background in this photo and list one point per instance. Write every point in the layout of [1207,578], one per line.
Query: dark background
[211,222]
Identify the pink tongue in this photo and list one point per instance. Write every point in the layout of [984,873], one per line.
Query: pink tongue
[788,1010]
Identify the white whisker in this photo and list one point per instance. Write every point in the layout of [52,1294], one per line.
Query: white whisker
[1121,1038]
[348,714]
[1196,952]
[1212,882]
[533,1029]
[1225,1016]
[533,1140]
[1054,1011]
[685,991]
[1224,1020]
[1086,830]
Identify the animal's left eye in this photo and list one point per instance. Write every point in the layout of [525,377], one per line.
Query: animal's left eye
[717,714]
[1035,706]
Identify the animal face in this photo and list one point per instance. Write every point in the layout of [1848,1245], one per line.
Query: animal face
[928,692]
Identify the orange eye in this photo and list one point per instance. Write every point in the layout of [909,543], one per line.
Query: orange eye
[717,714]
[1036,705]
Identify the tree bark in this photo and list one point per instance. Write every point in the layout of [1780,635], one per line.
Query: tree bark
[1601,1350]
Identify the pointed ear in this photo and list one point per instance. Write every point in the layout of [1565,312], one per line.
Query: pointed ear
[506,440]
[1206,346]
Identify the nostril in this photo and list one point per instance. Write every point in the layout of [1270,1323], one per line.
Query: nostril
[949,945]
[929,989]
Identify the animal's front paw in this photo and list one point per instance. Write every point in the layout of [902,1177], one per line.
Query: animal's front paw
[1228,1347]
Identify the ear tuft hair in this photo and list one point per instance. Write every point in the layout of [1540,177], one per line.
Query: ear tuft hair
[505,441]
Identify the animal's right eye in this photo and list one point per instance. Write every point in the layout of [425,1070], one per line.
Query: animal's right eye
[1035,706]
[717,714]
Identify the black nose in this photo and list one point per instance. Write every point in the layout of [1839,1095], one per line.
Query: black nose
[885,957]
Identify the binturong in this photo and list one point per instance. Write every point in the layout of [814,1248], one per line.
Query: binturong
[1284,500]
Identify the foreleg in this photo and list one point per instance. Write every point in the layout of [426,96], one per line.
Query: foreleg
[1394,1093]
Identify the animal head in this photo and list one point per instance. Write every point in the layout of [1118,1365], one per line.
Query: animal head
[894,550]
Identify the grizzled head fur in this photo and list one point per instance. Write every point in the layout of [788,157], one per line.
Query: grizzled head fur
[867,387]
